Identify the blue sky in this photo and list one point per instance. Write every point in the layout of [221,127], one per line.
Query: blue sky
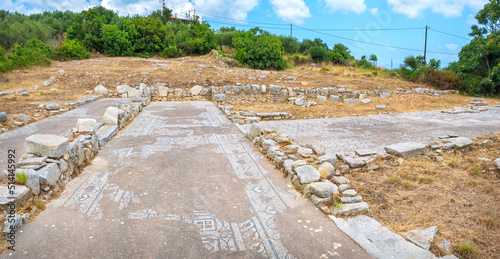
[367,22]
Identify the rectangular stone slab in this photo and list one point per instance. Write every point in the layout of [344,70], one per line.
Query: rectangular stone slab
[47,145]
[407,149]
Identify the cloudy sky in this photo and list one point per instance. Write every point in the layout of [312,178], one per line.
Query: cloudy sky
[390,29]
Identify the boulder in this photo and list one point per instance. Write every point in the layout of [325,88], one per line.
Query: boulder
[3,117]
[323,189]
[307,174]
[407,149]
[46,145]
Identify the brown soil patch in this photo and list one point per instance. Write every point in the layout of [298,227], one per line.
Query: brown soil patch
[395,104]
[85,75]
[459,194]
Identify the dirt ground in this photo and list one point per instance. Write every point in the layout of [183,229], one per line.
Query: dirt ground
[460,194]
[84,75]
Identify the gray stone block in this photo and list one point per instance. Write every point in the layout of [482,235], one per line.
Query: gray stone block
[219,97]
[46,145]
[351,209]
[351,100]
[307,174]
[106,133]
[49,174]
[19,194]
[32,181]
[323,189]
[52,106]
[407,149]
[353,199]
[110,117]
[255,130]
[100,89]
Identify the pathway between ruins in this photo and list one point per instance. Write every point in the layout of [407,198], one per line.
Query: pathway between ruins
[181,181]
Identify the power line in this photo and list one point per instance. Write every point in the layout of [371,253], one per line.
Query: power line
[375,44]
[450,34]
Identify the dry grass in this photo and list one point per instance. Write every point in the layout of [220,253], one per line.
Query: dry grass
[458,194]
[394,104]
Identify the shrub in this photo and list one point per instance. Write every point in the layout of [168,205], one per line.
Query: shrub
[258,49]
[34,52]
[5,64]
[318,54]
[21,177]
[171,52]
[71,49]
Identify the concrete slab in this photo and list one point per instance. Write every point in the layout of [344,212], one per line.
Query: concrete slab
[181,181]
[345,135]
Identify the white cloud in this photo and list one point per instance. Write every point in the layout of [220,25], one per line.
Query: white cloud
[448,8]
[356,6]
[37,6]
[291,10]
[374,10]
[471,19]
[452,46]
[234,9]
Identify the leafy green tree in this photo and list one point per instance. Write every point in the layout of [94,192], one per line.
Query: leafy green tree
[150,35]
[411,62]
[479,61]
[116,42]
[373,58]
[290,44]
[88,27]
[258,49]
[34,52]
[436,64]
[225,36]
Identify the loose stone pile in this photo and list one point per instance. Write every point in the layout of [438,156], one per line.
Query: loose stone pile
[243,117]
[475,106]
[312,171]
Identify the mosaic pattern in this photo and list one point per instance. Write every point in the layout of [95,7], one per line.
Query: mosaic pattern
[258,233]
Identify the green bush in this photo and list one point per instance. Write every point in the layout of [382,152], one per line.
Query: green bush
[34,52]
[258,49]
[171,52]
[5,64]
[317,53]
[71,49]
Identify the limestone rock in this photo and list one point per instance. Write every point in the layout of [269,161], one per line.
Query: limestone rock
[320,200]
[327,158]
[334,98]
[162,91]
[318,150]
[195,90]
[106,133]
[326,170]
[19,195]
[12,223]
[20,117]
[255,130]
[365,101]
[32,181]
[122,89]
[49,174]
[349,193]
[351,100]
[52,106]
[110,117]
[46,145]
[323,189]
[340,180]
[343,187]
[353,162]
[307,174]
[461,142]
[305,152]
[407,149]
[422,237]
[353,199]
[266,144]
[219,97]
[351,209]
[3,117]
[380,107]
[100,89]
[86,125]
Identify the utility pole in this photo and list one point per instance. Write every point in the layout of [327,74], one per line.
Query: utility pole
[291,34]
[425,46]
